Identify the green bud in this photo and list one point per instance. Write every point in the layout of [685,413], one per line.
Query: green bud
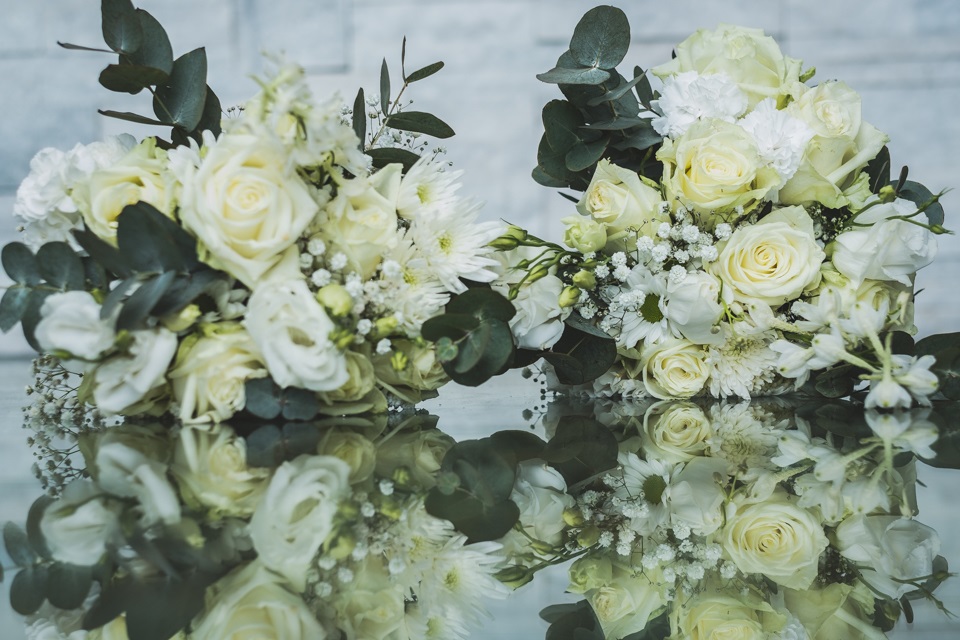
[573,517]
[336,299]
[342,338]
[589,536]
[391,507]
[401,477]
[888,193]
[183,320]
[515,232]
[542,548]
[515,576]
[585,280]
[504,243]
[385,326]
[809,73]
[569,297]
[538,273]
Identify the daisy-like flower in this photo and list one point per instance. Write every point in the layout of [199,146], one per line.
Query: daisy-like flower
[455,246]
[637,310]
[427,188]
[413,289]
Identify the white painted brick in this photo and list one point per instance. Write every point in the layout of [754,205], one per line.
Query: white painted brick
[313,32]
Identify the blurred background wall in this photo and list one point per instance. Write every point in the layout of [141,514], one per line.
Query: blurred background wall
[903,56]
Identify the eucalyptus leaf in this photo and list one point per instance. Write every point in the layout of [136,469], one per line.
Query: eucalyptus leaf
[152,242]
[34,534]
[615,94]
[107,255]
[18,545]
[186,289]
[121,25]
[384,88]
[109,605]
[180,101]
[580,357]
[116,296]
[601,38]
[129,117]
[299,404]
[155,50]
[424,72]
[540,175]
[580,323]
[554,165]
[644,91]
[878,170]
[136,309]
[68,585]
[572,622]
[31,316]
[20,263]
[130,78]
[837,382]
[471,350]
[517,445]
[477,521]
[262,398]
[482,303]
[359,121]
[496,354]
[921,196]
[212,114]
[584,155]
[617,124]
[420,122]
[389,155]
[28,590]
[159,608]
[264,447]
[60,266]
[79,47]
[945,348]
[12,306]
[450,325]
[559,75]
[561,124]
[640,138]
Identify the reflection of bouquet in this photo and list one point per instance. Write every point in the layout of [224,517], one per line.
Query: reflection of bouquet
[278,244]
[214,531]
[731,520]
[738,231]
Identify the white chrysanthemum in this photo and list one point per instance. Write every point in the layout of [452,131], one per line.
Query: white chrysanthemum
[689,96]
[638,310]
[741,366]
[744,438]
[413,290]
[781,139]
[44,203]
[423,621]
[455,246]
[426,188]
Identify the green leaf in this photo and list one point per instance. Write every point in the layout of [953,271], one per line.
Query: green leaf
[921,196]
[121,25]
[263,447]
[449,325]
[517,445]
[68,585]
[639,138]
[137,308]
[617,124]
[158,609]
[580,323]
[180,101]
[155,50]
[581,448]
[34,535]
[837,382]
[116,296]
[78,47]
[471,350]
[584,155]
[128,117]
[561,124]
[109,605]
[540,175]
[28,589]
[644,91]
[384,87]
[151,242]
[263,398]
[60,266]
[20,263]
[12,306]
[389,155]
[18,545]
[300,404]
[360,118]
[495,344]
[420,122]
[878,170]
[559,75]
[554,165]
[186,289]
[106,255]
[572,622]
[130,78]
[31,315]
[601,38]
[580,357]
[482,303]
[425,72]
[617,93]
[212,114]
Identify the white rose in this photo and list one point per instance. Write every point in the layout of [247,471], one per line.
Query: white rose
[773,261]
[245,204]
[361,221]
[253,602]
[620,199]
[71,322]
[694,496]
[674,368]
[357,450]
[694,307]
[296,514]
[891,250]
[137,177]
[775,538]
[80,524]
[675,431]
[210,466]
[124,380]
[123,471]
[888,549]
[373,607]
[626,603]
[541,494]
[209,375]
[292,331]
[717,614]
[750,58]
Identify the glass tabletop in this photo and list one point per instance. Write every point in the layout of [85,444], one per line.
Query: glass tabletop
[507,403]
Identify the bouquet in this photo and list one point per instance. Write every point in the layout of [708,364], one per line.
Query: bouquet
[738,234]
[276,257]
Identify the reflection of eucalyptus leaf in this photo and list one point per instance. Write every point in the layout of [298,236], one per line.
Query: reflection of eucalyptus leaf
[581,449]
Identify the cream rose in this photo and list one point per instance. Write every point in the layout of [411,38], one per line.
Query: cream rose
[584,234]
[749,57]
[361,221]
[292,332]
[714,168]
[717,615]
[70,322]
[245,204]
[888,249]
[773,261]
[210,467]
[675,431]
[140,176]
[620,199]
[590,572]
[360,381]
[674,368]
[127,379]
[775,538]
[416,455]
[626,603]
[81,523]
[296,513]
[357,450]
[211,370]
[422,370]
[253,602]
[842,146]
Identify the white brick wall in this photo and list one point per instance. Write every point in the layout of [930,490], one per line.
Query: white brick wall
[902,55]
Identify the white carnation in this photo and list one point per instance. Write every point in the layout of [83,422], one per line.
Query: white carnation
[781,138]
[689,96]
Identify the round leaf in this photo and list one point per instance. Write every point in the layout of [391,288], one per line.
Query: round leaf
[20,263]
[68,585]
[601,38]
[60,266]
[27,591]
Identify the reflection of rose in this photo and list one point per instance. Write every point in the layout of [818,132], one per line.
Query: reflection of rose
[675,431]
[716,615]
[253,602]
[775,538]
[356,450]
[541,494]
[626,603]
[835,611]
